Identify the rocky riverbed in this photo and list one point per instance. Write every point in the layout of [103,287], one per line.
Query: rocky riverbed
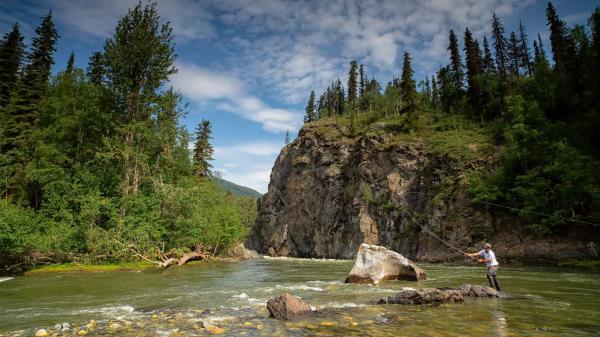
[551,302]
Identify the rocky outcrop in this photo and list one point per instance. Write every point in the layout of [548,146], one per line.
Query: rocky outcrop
[331,191]
[376,263]
[240,251]
[287,307]
[428,296]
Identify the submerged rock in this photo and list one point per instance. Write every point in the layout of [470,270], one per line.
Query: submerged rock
[114,326]
[425,296]
[473,290]
[41,333]
[287,307]
[376,263]
[62,327]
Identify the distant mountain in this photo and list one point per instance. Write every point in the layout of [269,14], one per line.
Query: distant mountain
[236,189]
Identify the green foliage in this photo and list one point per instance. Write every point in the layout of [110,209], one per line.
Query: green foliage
[541,172]
[367,194]
[96,168]
[203,215]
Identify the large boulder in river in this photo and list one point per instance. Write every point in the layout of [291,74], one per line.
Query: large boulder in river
[287,307]
[376,263]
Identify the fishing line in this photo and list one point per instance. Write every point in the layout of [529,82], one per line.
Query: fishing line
[516,209]
[437,237]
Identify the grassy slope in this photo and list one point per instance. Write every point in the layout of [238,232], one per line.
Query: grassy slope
[453,136]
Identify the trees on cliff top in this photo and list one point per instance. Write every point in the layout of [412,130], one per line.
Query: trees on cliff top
[533,108]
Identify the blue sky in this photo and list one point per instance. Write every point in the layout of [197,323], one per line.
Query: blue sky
[248,66]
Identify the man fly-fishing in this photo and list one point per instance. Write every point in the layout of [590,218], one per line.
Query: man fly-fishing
[487,256]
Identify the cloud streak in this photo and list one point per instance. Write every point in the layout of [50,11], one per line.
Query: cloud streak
[229,94]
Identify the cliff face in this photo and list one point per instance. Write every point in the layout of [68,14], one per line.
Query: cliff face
[330,192]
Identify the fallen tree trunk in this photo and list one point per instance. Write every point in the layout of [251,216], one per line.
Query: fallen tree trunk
[197,253]
[191,256]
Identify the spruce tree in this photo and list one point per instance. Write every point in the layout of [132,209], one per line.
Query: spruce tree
[488,59]
[310,114]
[563,51]
[339,98]
[455,63]
[287,137]
[541,46]
[525,55]
[352,96]
[203,150]
[445,88]
[363,80]
[408,86]
[540,61]
[514,54]
[536,51]
[321,113]
[70,64]
[500,47]
[456,75]
[427,91]
[474,69]
[12,50]
[37,72]
[96,69]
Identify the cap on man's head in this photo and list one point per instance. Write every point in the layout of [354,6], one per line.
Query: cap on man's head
[487,245]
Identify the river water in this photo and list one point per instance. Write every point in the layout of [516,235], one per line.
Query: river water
[173,302]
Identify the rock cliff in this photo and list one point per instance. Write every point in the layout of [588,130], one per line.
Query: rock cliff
[330,191]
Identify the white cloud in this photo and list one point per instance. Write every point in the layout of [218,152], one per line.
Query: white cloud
[247,163]
[189,19]
[201,84]
[253,148]
[229,94]
[292,47]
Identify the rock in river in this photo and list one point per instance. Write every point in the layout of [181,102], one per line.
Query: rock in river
[426,296]
[423,296]
[287,307]
[376,263]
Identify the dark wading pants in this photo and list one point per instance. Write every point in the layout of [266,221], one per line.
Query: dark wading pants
[492,278]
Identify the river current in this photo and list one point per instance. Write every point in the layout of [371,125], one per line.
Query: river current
[232,296]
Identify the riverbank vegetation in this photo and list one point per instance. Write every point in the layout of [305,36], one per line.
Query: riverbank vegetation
[539,112]
[94,165]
